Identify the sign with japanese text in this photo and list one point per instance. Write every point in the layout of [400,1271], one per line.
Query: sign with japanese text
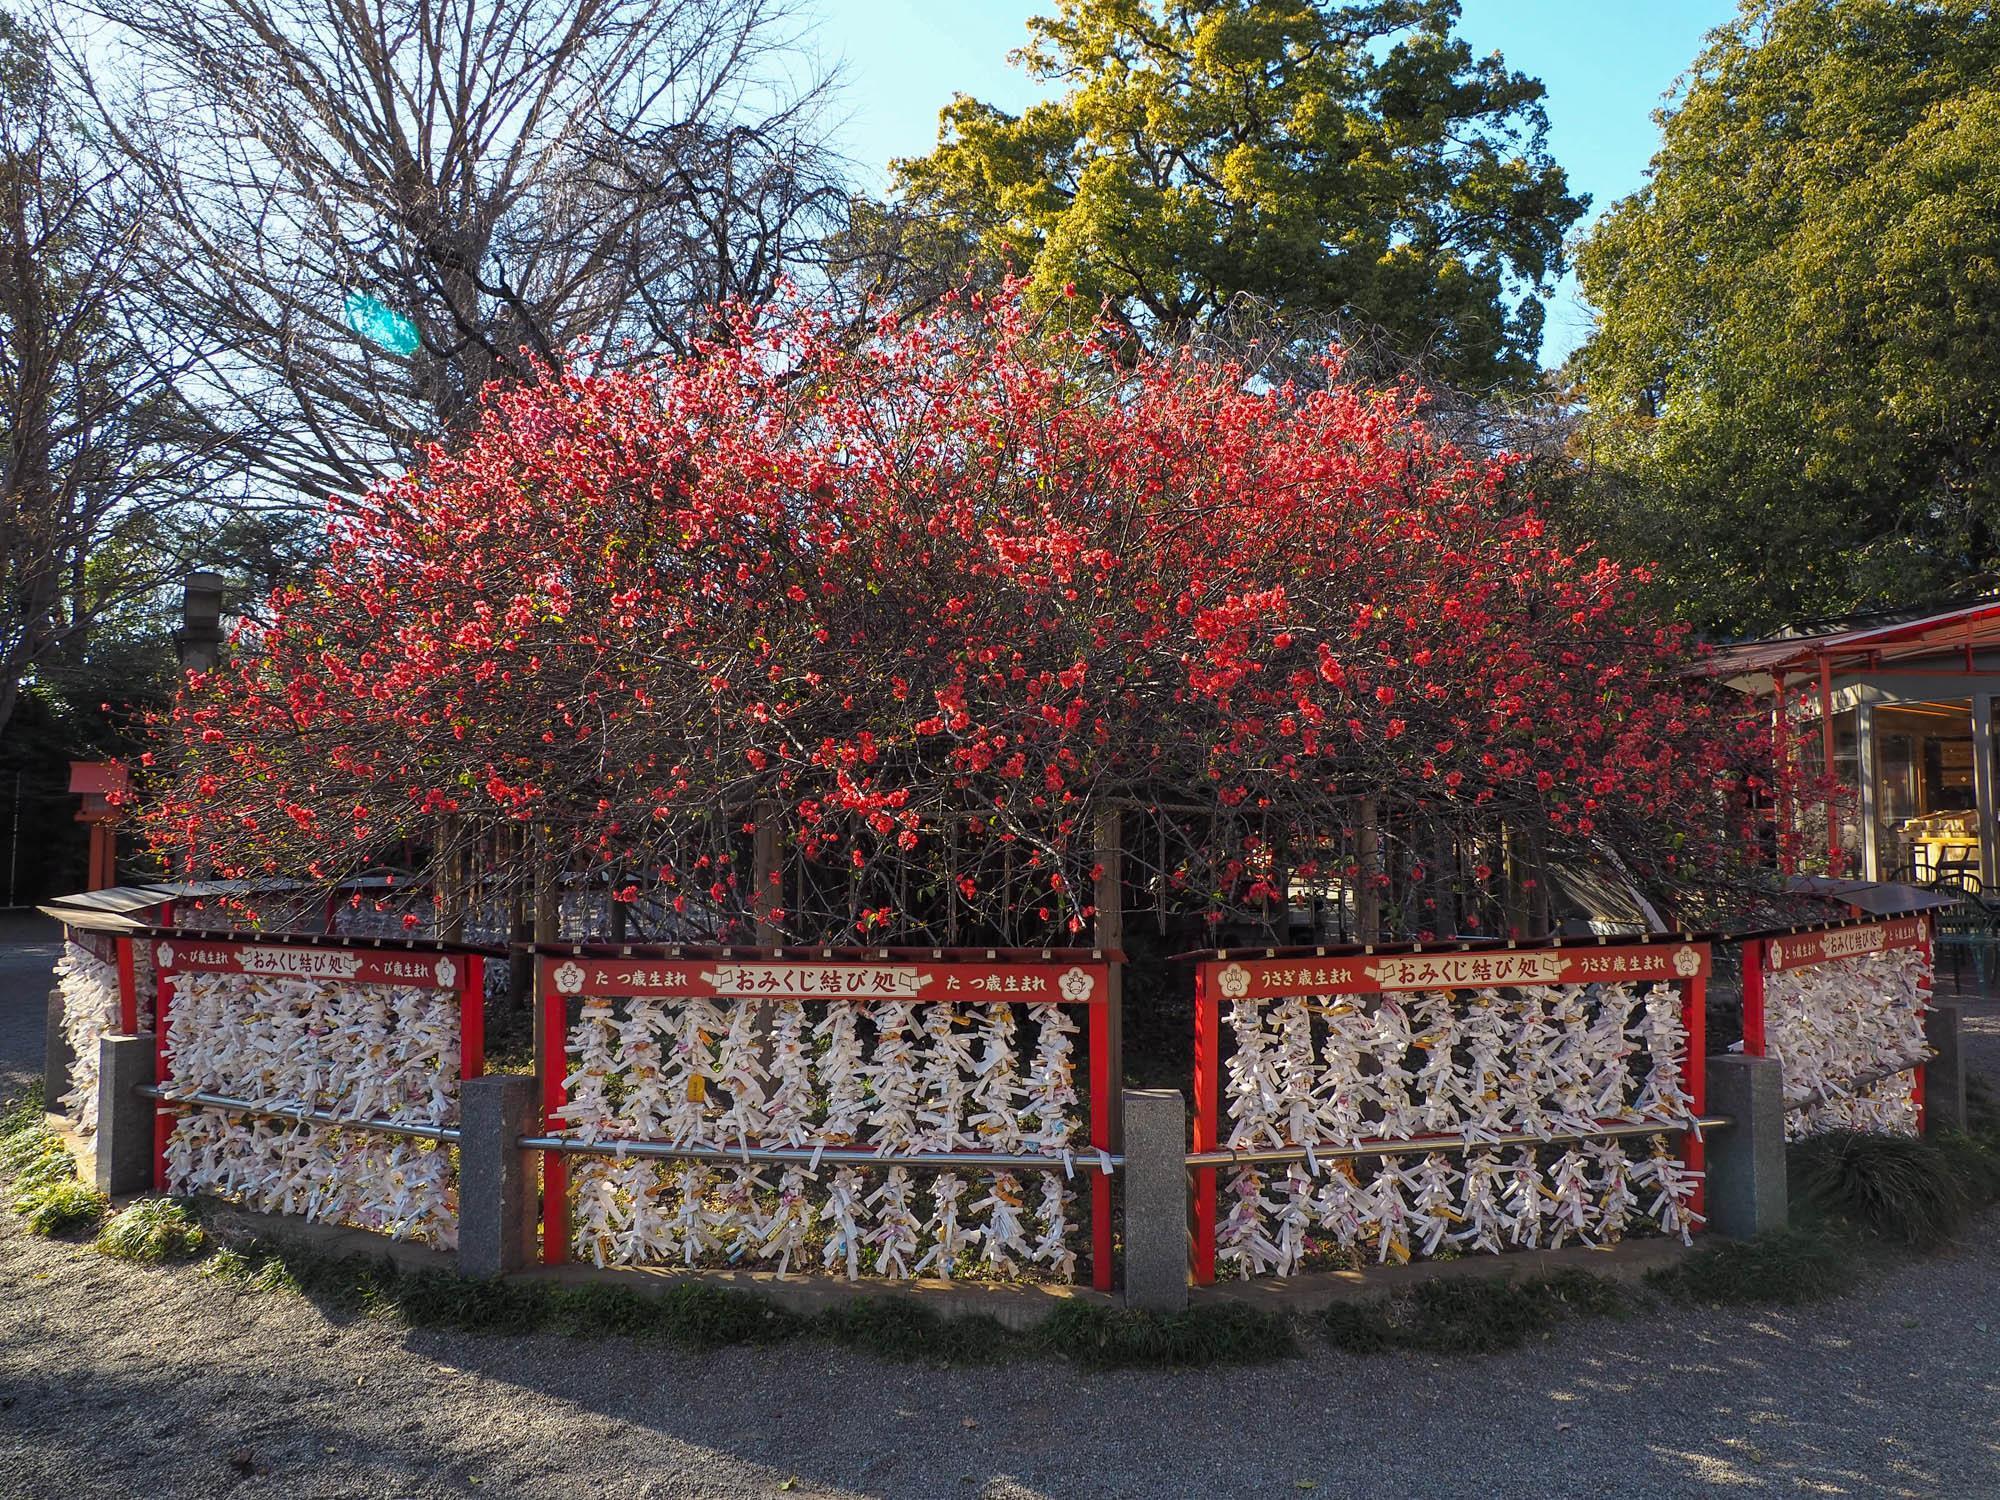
[1799,950]
[99,945]
[431,971]
[1361,974]
[1061,982]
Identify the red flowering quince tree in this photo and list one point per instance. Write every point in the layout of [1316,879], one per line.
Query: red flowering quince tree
[928,605]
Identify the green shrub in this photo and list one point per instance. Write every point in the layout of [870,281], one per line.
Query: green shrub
[153,1230]
[60,1207]
[1895,1187]
[1788,1267]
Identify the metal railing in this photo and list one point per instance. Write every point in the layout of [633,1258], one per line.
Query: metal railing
[1418,1145]
[1089,1159]
[298,1114]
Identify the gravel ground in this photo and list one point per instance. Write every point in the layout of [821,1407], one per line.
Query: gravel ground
[117,1380]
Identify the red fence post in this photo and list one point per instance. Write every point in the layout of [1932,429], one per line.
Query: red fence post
[472,1018]
[1207,1112]
[1925,986]
[163,1118]
[128,991]
[554,1065]
[1694,1078]
[1103,1110]
[1753,997]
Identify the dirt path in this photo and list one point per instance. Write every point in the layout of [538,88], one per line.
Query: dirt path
[117,1380]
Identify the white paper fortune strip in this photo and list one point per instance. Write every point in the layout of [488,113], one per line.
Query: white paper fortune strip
[357,1051]
[1847,1033]
[90,1012]
[1394,1209]
[1541,1062]
[1551,1062]
[894,1076]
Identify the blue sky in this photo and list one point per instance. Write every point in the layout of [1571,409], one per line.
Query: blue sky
[1606,64]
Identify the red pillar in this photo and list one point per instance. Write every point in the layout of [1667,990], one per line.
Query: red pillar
[1207,1118]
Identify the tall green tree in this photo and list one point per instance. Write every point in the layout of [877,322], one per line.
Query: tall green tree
[1352,162]
[1790,395]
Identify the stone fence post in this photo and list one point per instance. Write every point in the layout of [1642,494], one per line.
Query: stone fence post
[496,1178]
[1746,1159]
[124,1147]
[1944,1074]
[57,1057]
[1156,1200]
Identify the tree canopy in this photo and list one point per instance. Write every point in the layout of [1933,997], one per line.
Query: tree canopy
[1350,161]
[934,603]
[1790,394]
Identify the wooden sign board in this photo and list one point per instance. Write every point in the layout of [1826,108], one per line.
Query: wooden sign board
[1800,950]
[965,982]
[1367,974]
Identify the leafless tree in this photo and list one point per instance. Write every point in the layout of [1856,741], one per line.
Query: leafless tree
[482,185]
[101,468]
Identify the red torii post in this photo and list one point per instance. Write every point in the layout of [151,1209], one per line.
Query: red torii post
[97,782]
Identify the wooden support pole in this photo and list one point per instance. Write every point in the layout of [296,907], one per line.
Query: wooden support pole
[1368,856]
[767,873]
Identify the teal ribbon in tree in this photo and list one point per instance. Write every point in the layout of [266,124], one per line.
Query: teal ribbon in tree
[381,324]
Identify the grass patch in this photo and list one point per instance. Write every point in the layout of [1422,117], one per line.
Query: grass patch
[247,1272]
[1897,1188]
[39,1162]
[1465,1315]
[1974,1159]
[23,1113]
[902,1328]
[700,1317]
[1982,1106]
[695,1316]
[1359,1327]
[1790,1267]
[61,1207]
[153,1231]
[1102,1338]
[41,1172]
[1485,1315]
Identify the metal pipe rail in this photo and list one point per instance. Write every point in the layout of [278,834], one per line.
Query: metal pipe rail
[1421,1144]
[1090,1160]
[298,1114]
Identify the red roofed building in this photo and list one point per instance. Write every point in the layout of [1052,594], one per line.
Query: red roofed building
[1902,706]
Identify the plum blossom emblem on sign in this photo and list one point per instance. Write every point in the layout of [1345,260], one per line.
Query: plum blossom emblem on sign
[569,979]
[1687,962]
[447,973]
[1234,982]
[1074,985]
